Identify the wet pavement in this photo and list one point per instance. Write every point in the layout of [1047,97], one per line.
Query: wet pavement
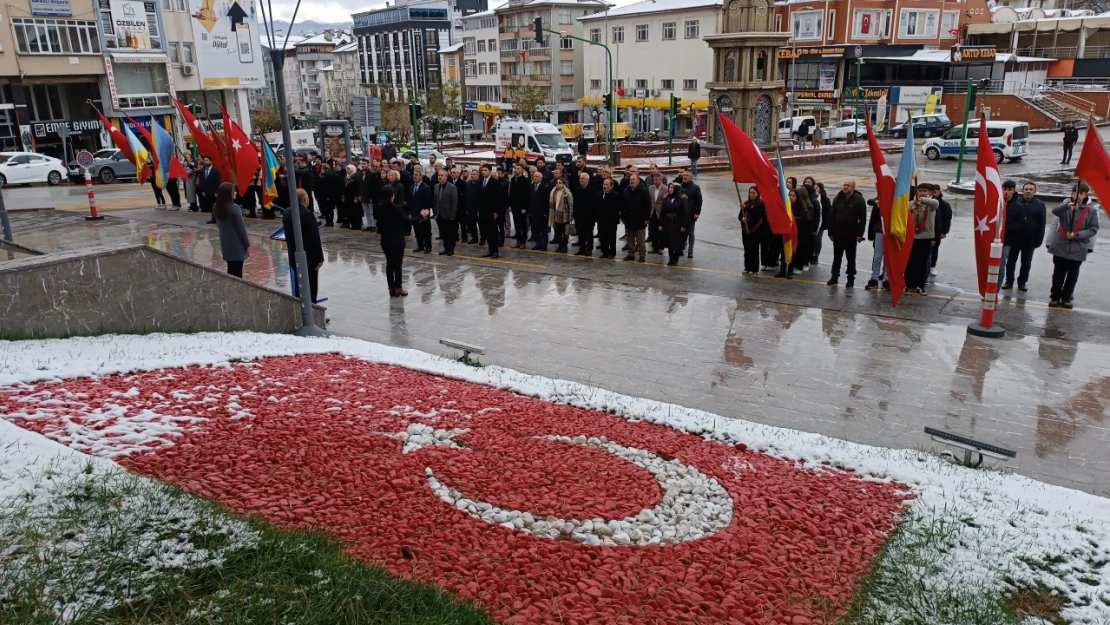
[792,354]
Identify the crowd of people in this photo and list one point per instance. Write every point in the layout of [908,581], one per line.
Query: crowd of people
[563,205]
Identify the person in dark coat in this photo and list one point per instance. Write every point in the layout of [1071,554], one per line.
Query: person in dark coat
[420,200]
[694,154]
[445,210]
[538,209]
[826,208]
[847,225]
[694,200]
[313,249]
[580,167]
[610,208]
[388,152]
[753,223]
[657,192]
[943,226]
[329,193]
[583,146]
[1026,218]
[234,244]
[875,235]
[208,182]
[393,224]
[1071,242]
[635,216]
[490,210]
[306,179]
[674,223]
[352,207]
[1071,137]
[548,173]
[585,213]
[520,198]
[370,186]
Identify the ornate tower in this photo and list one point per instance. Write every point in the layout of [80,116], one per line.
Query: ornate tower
[746,84]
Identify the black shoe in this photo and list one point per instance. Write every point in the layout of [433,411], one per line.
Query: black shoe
[871,284]
[642,259]
[1022,287]
[851,284]
[443,253]
[210,221]
[473,241]
[630,257]
[780,274]
[886,285]
[581,253]
[1007,286]
[672,263]
[690,255]
[451,253]
[561,250]
[1054,303]
[489,255]
[427,250]
[368,229]
[921,291]
[833,281]
[1066,304]
[417,250]
[481,241]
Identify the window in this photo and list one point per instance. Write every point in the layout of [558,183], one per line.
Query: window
[527,68]
[618,34]
[471,69]
[492,44]
[167,5]
[511,69]
[565,17]
[595,35]
[950,24]
[187,52]
[470,46]
[693,29]
[808,25]
[918,23]
[175,52]
[669,31]
[832,25]
[543,68]
[566,43]
[666,84]
[867,24]
[508,44]
[641,83]
[566,92]
[43,36]
[778,22]
[481,69]
[566,68]
[641,32]
[481,45]
[689,85]
[620,82]
[595,83]
[141,85]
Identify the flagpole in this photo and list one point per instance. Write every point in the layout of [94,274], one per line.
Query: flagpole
[739,196]
[986,328]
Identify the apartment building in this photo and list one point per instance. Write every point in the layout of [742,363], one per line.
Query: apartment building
[481,98]
[658,52]
[341,82]
[314,57]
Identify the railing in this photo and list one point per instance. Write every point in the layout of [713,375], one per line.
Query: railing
[1086,84]
[507,29]
[508,53]
[1066,52]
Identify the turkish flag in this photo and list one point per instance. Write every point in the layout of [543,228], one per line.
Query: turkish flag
[241,153]
[200,138]
[121,141]
[1094,165]
[750,165]
[895,252]
[989,217]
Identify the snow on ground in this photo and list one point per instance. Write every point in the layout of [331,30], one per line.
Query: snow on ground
[1062,536]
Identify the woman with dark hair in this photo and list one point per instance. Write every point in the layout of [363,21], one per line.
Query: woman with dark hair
[393,226]
[754,229]
[674,223]
[823,224]
[805,215]
[234,245]
[351,213]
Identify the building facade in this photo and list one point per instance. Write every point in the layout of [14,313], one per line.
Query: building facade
[658,52]
[482,69]
[315,59]
[341,82]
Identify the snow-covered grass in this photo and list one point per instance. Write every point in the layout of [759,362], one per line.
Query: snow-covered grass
[972,537]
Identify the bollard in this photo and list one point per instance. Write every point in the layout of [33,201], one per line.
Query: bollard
[92,198]
[986,328]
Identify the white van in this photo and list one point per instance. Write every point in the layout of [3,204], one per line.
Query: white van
[1010,140]
[539,139]
[301,139]
[789,125]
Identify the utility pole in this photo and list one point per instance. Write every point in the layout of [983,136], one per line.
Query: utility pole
[675,103]
[610,100]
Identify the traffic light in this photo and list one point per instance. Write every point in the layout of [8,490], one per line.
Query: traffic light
[608,99]
[676,102]
[537,25]
[417,111]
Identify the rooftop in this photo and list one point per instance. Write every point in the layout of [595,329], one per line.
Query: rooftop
[455,47]
[654,6]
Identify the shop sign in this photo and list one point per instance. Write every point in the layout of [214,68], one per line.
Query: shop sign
[822,95]
[227,43]
[913,95]
[73,128]
[129,23]
[868,94]
[819,51]
[970,55]
[470,106]
[51,8]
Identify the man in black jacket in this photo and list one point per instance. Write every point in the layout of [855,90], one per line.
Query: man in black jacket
[847,223]
[520,198]
[583,146]
[693,153]
[370,185]
[636,214]
[610,207]
[875,235]
[538,208]
[310,234]
[585,214]
[693,204]
[1025,225]
[490,210]
[388,151]
[306,179]
[943,226]
[1071,137]
[419,198]
[548,173]
[208,181]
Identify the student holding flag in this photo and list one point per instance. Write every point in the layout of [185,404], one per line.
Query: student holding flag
[270,168]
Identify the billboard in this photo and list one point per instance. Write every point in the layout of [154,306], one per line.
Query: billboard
[129,24]
[228,50]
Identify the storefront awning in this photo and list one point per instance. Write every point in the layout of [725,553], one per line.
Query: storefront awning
[646,103]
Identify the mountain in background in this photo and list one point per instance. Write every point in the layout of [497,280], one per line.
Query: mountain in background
[310,27]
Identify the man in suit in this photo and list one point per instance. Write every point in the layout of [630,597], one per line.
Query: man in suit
[208,181]
[473,197]
[693,204]
[310,234]
[520,198]
[636,213]
[610,207]
[658,192]
[419,198]
[585,213]
[538,208]
[445,209]
[369,186]
[490,210]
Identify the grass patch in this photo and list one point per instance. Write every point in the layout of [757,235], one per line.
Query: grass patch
[91,548]
[1038,603]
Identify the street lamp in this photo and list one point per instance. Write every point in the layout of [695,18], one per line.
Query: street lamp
[277,56]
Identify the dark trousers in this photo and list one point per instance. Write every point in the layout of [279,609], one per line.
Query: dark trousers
[520,224]
[803,254]
[770,251]
[422,232]
[354,216]
[1064,275]
[327,209]
[471,228]
[158,197]
[235,268]
[674,255]
[313,281]
[561,240]
[539,230]
[490,233]
[936,252]
[206,204]
[917,269]
[585,236]
[607,238]
[752,244]
[1067,153]
[653,232]
[449,232]
[175,195]
[394,257]
[842,248]
[1026,253]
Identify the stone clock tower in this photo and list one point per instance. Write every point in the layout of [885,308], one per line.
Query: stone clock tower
[746,84]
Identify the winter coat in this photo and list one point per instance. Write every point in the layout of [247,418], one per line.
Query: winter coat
[673,218]
[473,197]
[875,223]
[694,151]
[756,218]
[520,194]
[848,217]
[419,198]
[562,205]
[944,217]
[1071,136]
[1025,222]
[310,234]
[637,208]
[585,204]
[393,224]
[583,146]
[490,199]
[538,206]
[826,211]
[445,201]
[693,197]
[233,236]
[1083,221]
[923,214]
[371,185]
[610,208]
[388,153]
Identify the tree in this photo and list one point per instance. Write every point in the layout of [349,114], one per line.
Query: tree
[441,108]
[266,119]
[396,119]
[527,100]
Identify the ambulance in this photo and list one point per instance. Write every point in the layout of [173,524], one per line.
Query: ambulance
[538,138]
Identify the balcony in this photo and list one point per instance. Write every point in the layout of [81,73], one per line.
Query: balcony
[1067,52]
[509,53]
[538,52]
[507,28]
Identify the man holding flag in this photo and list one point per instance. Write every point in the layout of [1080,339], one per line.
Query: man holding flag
[270,167]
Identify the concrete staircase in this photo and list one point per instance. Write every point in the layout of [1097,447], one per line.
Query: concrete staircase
[1060,106]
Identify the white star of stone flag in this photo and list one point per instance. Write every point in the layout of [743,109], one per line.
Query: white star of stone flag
[196,123]
[235,145]
[981,225]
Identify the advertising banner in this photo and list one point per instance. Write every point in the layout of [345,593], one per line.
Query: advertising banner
[51,8]
[129,24]
[229,53]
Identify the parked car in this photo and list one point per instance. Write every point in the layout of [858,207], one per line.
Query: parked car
[925,126]
[843,128]
[29,167]
[1009,140]
[424,154]
[788,126]
[109,165]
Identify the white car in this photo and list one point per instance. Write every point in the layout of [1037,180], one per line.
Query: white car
[28,167]
[841,130]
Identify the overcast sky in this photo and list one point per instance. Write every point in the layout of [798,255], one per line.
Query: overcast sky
[340,10]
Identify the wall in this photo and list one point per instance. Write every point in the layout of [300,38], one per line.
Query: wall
[134,289]
[1003,106]
[11,63]
[842,31]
